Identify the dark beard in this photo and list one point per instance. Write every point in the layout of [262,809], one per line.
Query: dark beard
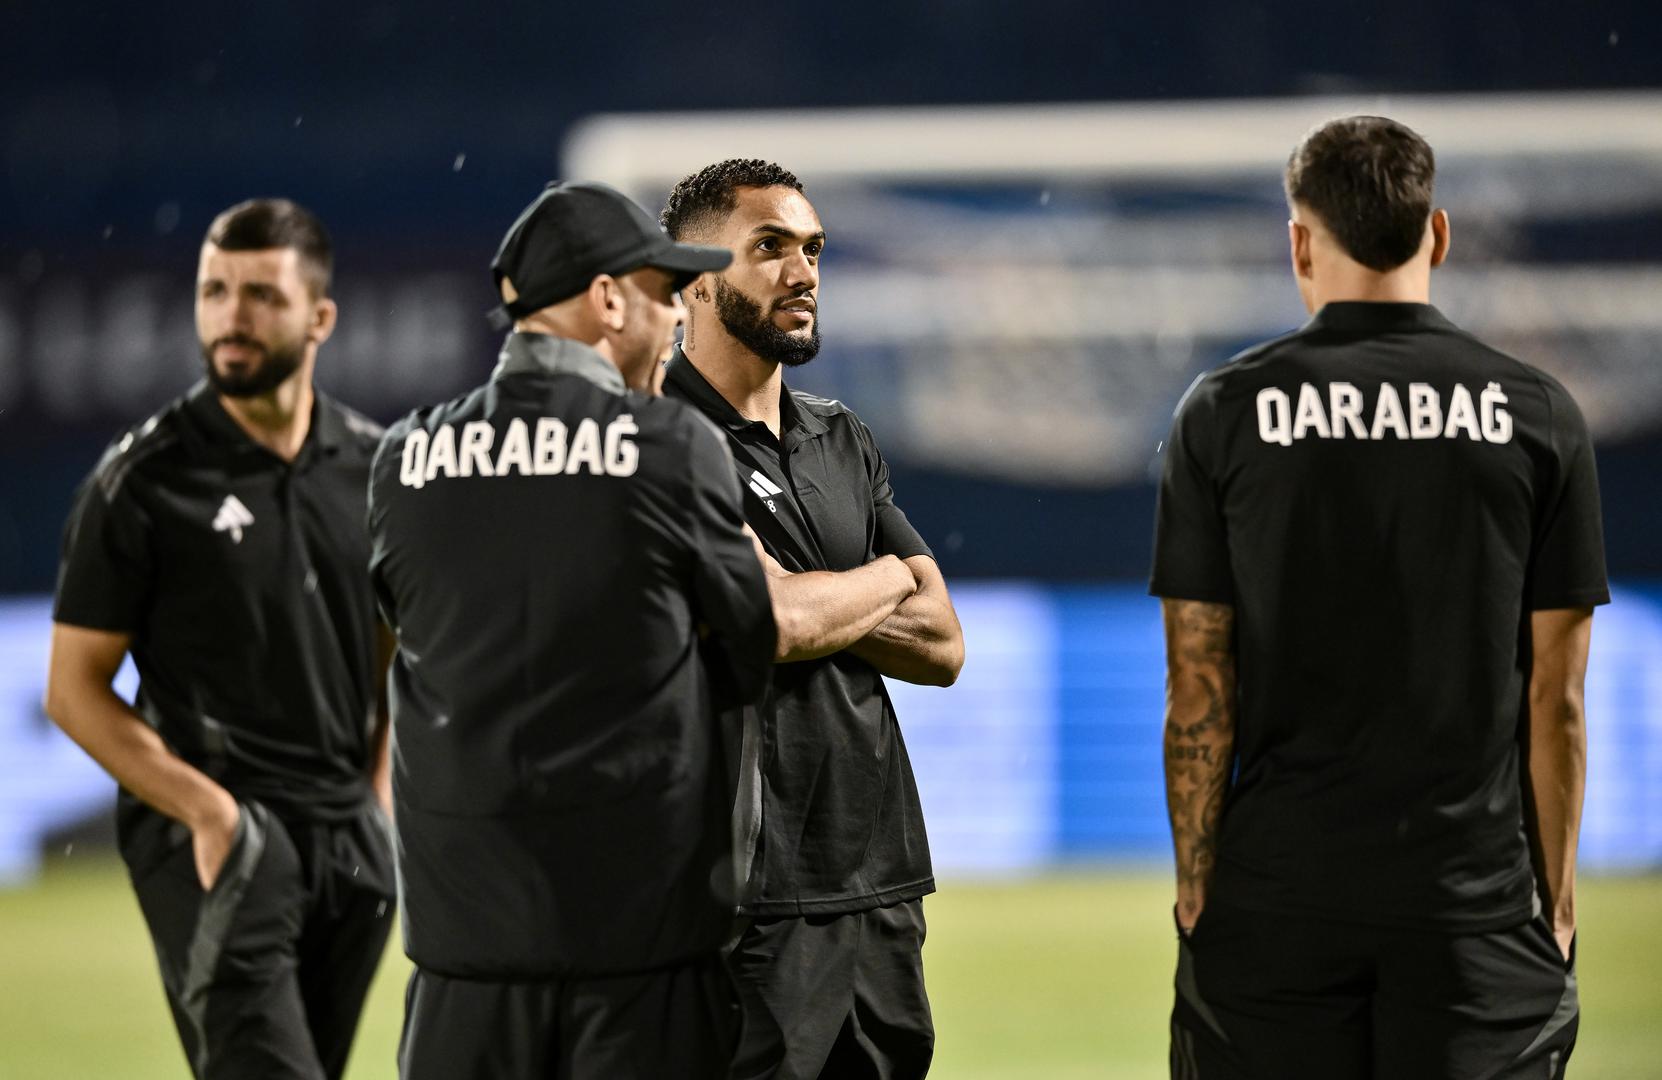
[753,328]
[276,366]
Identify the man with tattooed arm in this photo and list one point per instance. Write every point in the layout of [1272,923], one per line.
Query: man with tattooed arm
[1378,548]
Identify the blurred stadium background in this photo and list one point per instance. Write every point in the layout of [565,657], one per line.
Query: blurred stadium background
[1042,225]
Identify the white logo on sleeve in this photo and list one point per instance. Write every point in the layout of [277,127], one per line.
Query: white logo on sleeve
[765,489]
[233,517]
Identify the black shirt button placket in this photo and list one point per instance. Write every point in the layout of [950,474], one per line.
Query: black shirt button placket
[296,535]
[298,556]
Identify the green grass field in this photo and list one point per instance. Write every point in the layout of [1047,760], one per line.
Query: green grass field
[1061,977]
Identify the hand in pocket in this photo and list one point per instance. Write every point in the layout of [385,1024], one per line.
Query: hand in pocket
[1565,936]
[211,842]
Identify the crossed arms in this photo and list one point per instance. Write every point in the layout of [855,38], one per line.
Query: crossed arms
[895,614]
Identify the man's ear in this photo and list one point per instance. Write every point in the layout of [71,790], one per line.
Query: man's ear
[324,314]
[698,292]
[1441,237]
[1299,244]
[607,302]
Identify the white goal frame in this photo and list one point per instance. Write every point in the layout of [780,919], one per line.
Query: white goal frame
[643,152]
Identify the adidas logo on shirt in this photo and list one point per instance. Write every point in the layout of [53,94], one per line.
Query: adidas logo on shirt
[765,489]
[233,517]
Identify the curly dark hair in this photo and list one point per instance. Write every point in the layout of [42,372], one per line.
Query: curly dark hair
[711,193]
[1369,179]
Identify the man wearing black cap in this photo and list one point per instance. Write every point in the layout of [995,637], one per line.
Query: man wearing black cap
[562,556]
[1378,547]
[829,959]
[222,543]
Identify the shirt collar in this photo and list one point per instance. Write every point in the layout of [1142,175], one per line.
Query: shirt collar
[326,433]
[526,353]
[329,430]
[1377,317]
[685,377]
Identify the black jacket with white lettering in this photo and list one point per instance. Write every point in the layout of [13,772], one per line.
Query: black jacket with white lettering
[552,550]
[1383,499]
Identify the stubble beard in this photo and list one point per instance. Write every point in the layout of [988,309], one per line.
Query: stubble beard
[753,328]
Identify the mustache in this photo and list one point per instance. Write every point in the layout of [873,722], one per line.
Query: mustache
[242,340]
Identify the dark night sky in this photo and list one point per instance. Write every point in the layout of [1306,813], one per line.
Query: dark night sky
[114,115]
[105,109]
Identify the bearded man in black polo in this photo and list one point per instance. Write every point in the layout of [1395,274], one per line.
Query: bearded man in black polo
[829,954]
[1378,546]
[222,543]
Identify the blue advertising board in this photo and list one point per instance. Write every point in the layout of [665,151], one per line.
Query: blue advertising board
[1046,751]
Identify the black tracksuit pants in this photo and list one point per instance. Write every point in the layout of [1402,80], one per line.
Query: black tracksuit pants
[675,1023]
[834,996]
[1282,997]
[267,971]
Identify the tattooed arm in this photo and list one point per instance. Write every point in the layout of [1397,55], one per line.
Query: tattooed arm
[1200,739]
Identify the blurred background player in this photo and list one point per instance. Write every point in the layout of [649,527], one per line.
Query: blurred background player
[222,543]
[549,549]
[829,954]
[1379,546]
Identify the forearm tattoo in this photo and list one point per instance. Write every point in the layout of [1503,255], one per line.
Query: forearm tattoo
[1200,732]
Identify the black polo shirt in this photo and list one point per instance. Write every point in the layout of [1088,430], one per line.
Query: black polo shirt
[1384,500]
[548,548]
[842,829]
[243,581]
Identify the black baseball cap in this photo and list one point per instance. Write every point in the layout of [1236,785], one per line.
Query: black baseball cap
[575,231]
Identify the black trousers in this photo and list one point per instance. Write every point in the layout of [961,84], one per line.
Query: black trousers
[834,996]
[675,1022]
[266,972]
[1282,998]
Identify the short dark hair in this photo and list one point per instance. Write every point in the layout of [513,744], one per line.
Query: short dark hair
[1369,179]
[261,224]
[710,194]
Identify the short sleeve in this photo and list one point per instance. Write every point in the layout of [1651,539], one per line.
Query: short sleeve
[105,567]
[1191,542]
[895,535]
[1567,560]
[728,584]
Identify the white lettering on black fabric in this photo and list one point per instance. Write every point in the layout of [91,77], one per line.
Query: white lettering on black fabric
[1387,413]
[1425,411]
[551,451]
[1497,422]
[1274,416]
[1342,412]
[1346,406]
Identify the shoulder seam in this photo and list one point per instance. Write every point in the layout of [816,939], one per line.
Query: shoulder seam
[356,423]
[831,404]
[1543,381]
[362,426]
[1534,372]
[123,456]
[1263,348]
